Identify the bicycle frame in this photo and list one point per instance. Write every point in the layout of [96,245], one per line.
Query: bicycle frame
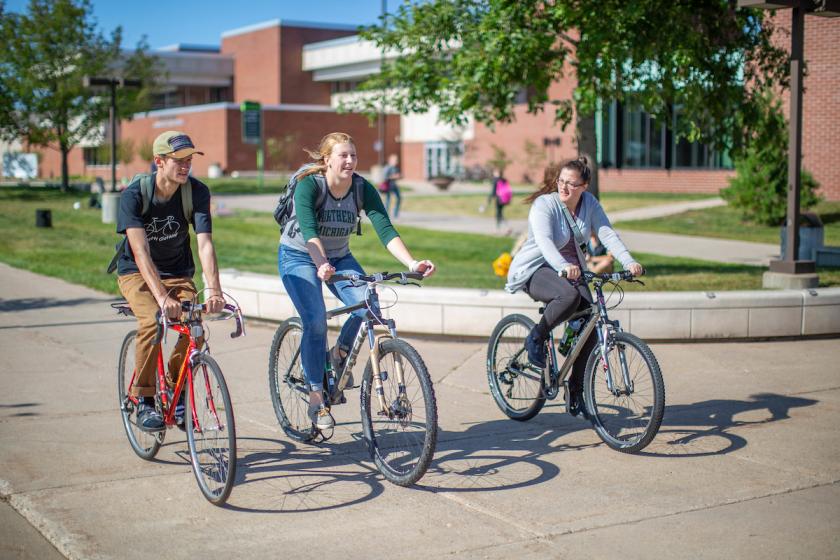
[192,328]
[185,374]
[366,331]
[597,320]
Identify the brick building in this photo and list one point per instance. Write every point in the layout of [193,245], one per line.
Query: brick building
[203,92]
[301,72]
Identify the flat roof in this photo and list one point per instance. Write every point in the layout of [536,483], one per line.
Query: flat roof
[288,23]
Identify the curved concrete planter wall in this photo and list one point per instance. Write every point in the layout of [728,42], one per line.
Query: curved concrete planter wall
[651,315]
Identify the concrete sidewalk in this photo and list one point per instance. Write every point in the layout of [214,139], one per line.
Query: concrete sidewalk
[746,465]
[705,248]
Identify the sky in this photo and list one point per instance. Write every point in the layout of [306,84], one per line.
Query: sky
[203,22]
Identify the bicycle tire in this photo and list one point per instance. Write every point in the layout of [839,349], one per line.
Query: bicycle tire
[516,392]
[144,444]
[401,446]
[212,441]
[625,422]
[287,381]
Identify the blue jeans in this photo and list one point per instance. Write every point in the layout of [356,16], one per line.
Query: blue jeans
[300,278]
[393,190]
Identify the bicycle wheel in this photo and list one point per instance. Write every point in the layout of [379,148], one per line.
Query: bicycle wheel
[517,390]
[627,420]
[144,444]
[287,382]
[401,441]
[211,432]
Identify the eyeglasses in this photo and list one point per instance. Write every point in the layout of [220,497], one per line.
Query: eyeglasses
[569,184]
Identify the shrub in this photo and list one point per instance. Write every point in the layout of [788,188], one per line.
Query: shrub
[759,188]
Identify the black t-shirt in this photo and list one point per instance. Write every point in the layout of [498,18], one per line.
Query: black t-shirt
[167,232]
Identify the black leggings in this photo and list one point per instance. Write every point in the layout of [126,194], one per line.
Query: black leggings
[562,299]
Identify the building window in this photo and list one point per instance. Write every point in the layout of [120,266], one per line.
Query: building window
[631,138]
[443,158]
[343,86]
[96,156]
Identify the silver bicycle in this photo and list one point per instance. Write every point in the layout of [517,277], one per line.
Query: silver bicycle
[624,395]
[398,407]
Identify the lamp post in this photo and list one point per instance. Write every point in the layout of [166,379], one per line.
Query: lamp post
[790,271]
[111,84]
[381,117]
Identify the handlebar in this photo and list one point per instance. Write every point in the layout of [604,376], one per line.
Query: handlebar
[608,276]
[401,277]
[228,311]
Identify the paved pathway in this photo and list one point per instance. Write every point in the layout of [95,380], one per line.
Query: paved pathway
[746,465]
[705,248]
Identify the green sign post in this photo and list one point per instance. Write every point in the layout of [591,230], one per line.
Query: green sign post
[252,131]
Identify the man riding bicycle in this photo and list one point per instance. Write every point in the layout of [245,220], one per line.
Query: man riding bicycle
[156,267]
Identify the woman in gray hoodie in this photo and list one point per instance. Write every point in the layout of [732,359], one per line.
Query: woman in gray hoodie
[550,251]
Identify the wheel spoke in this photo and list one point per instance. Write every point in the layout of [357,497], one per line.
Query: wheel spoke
[402,441]
[517,390]
[211,432]
[287,382]
[626,421]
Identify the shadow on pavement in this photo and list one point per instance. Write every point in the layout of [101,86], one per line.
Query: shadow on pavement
[26,304]
[20,405]
[283,476]
[302,477]
[701,429]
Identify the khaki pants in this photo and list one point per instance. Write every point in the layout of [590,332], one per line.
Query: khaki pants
[145,307]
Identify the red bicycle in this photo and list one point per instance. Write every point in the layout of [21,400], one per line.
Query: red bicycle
[208,418]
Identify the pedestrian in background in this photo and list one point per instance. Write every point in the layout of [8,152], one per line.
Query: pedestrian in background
[389,185]
[501,193]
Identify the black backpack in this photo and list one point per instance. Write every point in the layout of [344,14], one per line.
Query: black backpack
[147,191]
[286,204]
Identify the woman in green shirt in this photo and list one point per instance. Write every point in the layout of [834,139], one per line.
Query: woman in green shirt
[315,244]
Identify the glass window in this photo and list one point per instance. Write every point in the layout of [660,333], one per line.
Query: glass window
[443,158]
[629,137]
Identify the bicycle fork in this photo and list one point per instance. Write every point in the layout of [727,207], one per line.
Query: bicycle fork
[378,387]
[607,340]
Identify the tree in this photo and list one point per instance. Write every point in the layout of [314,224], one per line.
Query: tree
[44,55]
[471,58]
[534,160]
[759,188]
[499,161]
[280,151]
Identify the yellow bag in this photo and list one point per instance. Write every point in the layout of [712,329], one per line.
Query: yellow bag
[502,264]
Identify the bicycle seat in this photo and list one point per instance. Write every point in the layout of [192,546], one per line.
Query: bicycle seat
[123,308]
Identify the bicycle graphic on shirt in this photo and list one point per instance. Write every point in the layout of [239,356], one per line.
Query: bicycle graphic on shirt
[164,228]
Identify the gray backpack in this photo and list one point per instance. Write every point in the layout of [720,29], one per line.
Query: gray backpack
[147,192]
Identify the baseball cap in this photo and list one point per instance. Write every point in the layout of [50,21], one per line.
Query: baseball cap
[174,144]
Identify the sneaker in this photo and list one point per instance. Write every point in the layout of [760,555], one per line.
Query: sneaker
[535,349]
[321,417]
[576,405]
[148,418]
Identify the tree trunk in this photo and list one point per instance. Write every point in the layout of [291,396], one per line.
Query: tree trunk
[65,171]
[588,146]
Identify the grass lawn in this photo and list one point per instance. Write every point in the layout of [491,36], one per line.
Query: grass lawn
[245,185]
[468,204]
[79,246]
[726,223]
